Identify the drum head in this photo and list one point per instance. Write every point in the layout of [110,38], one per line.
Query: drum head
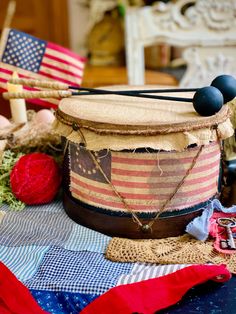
[124,114]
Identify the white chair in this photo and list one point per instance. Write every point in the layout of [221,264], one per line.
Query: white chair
[206,30]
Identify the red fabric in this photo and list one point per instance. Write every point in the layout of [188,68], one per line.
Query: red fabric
[218,232]
[35,179]
[151,295]
[15,298]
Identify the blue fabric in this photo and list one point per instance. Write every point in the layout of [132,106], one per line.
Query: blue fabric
[83,272]
[23,261]
[84,239]
[32,227]
[48,225]
[62,302]
[199,227]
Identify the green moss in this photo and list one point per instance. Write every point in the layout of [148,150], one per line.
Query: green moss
[6,196]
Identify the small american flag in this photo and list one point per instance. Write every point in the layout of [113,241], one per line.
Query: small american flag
[37,59]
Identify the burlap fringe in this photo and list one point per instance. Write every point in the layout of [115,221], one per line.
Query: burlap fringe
[175,250]
[167,142]
[230,143]
[67,132]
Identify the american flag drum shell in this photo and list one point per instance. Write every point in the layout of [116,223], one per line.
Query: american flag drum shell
[128,157]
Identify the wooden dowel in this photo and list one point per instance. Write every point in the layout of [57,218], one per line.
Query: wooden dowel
[38,83]
[38,94]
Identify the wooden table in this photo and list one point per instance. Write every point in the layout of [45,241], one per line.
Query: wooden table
[110,75]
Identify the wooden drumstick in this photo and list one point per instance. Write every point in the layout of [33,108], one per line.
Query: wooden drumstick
[62,86]
[38,94]
[39,83]
[68,93]
[206,101]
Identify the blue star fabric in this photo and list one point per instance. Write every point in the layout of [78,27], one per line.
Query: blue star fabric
[62,302]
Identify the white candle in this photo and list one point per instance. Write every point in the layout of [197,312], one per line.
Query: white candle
[18,107]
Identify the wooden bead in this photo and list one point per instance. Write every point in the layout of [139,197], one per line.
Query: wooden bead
[226,85]
[208,100]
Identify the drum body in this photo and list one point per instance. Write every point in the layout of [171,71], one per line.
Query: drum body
[141,176]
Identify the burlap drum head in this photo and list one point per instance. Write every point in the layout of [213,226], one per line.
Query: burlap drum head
[159,124]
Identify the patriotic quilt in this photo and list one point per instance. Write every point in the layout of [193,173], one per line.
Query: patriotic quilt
[35,58]
[62,263]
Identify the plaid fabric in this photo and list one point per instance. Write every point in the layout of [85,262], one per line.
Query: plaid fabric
[83,272]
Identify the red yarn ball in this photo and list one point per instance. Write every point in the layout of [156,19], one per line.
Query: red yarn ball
[35,179]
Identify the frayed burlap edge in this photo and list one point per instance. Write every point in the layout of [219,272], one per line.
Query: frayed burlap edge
[168,142]
[175,250]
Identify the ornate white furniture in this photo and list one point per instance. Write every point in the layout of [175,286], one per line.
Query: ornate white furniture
[205,29]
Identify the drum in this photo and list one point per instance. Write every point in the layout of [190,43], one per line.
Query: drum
[137,167]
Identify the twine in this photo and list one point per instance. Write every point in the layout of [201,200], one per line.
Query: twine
[38,83]
[211,122]
[121,198]
[168,201]
[37,94]
[145,227]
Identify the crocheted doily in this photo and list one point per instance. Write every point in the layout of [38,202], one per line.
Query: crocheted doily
[176,250]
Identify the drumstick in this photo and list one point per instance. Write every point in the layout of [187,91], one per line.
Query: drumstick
[62,86]
[206,101]
[68,93]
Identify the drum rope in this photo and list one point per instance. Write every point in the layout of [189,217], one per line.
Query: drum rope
[146,227]
[121,198]
[168,201]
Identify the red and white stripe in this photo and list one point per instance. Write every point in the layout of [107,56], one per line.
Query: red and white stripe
[147,180]
[58,63]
